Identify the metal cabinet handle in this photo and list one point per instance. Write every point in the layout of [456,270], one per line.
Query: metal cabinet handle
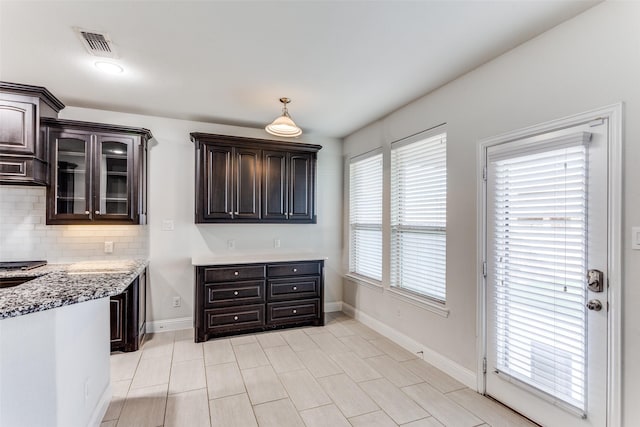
[87,212]
[295,270]
[235,273]
[235,317]
[235,293]
[97,212]
[295,288]
[235,213]
[295,311]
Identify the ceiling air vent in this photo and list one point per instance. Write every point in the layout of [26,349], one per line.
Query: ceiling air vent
[97,43]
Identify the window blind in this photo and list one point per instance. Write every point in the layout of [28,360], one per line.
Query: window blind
[365,216]
[538,209]
[418,216]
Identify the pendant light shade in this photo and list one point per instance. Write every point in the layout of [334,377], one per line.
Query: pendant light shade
[283,125]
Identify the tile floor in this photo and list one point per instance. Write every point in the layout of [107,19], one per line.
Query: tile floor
[342,374]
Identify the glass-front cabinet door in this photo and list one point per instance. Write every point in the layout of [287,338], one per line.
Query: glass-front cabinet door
[113,177]
[72,175]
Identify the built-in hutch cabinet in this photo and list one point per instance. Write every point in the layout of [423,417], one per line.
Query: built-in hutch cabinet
[242,298]
[248,180]
[23,151]
[98,173]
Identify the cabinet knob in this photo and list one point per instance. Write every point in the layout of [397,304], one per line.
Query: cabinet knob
[235,273]
[295,311]
[235,213]
[295,270]
[235,317]
[87,212]
[235,292]
[295,288]
[97,212]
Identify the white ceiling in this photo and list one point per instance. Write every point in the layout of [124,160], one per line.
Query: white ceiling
[343,63]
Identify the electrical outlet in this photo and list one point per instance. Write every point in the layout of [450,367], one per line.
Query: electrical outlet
[86,389]
[276,243]
[176,302]
[108,247]
[231,244]
[167,225]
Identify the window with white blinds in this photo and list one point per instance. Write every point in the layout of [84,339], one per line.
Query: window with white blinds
[419,216]
[537,204]
[365,216]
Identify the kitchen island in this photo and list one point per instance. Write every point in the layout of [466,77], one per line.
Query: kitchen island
[54,343]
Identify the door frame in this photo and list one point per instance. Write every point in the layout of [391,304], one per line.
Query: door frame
[614,114]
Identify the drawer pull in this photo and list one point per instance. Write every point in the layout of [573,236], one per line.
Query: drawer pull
[295,311]
[235,317]
[235,273]
[295,270]
[295,288]
[235,292]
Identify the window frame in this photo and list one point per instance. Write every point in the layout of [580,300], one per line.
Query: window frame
[362,278]
[431,300]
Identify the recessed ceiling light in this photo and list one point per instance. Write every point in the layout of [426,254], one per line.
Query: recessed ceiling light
[109,67]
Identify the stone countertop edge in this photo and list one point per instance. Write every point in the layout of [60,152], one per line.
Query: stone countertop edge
[55,287]
[248,258]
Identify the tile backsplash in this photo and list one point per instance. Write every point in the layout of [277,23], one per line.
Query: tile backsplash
[24,234]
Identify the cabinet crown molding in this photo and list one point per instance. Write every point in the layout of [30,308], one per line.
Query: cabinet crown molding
[39,91]
[243,141]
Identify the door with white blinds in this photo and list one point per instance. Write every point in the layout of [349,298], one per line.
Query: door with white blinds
[546,228]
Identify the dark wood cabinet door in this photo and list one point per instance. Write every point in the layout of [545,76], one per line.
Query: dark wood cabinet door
[301,188]
[246,183]
[69,195]
[275,185]
[17,125]
[216,196]
[114,181]
[118,320]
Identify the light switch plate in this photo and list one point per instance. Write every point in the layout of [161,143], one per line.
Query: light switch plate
[635,238]
[108,247]
[167,225]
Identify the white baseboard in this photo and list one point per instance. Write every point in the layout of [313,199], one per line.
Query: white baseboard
[169,325]
[332,306]
[187,322]
[101,408]
[460,373]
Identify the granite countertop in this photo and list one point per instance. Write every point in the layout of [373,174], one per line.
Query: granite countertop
[57,285]
[245,258]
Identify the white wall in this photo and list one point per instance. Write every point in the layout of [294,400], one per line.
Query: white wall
[25,236]
[171,196]
[588,62]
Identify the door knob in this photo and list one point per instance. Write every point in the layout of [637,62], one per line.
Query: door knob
[594,305]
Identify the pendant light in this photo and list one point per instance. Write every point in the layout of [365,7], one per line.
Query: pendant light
[283,125]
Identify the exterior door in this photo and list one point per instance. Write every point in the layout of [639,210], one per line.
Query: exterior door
[546,229]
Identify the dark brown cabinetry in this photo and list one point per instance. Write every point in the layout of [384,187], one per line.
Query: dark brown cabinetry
[254,180]
[233,299]
[98,173]
[128,316]
[23,154]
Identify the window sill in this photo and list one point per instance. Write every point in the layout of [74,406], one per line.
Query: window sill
[424,303]
[364,281]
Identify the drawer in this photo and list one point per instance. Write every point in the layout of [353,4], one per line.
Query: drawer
[221,294]
[238,272]
[294,311]
[232,318]
[293,288]
[294,269]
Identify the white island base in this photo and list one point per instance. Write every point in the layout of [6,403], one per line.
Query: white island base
[54,366]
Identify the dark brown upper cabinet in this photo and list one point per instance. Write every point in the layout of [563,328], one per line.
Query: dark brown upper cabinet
[233,183]
[23,154]
[254,180]
[98,173]
[288,186]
